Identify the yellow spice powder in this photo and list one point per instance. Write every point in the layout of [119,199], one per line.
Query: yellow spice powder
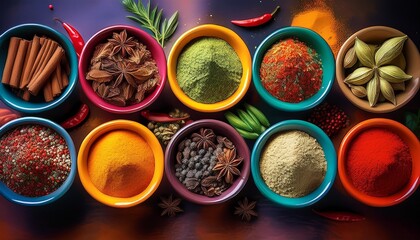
[121,163]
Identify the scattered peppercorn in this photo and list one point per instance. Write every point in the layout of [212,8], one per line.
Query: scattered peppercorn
[34,160]
[329,117]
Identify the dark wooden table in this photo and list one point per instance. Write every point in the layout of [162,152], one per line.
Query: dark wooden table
[78,216]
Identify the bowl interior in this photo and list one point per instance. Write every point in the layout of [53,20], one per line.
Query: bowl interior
[330,156]
[37,201]
[313,40]
[83,155]
[220,128]
[143,37]
[27,31]
[210,30]
[407,136]
[377,34]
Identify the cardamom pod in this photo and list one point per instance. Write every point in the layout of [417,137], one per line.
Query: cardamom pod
[364,53]
[389,50]
[373,90]
[358,91]
[359,76]
[387,90]
[399,61]
[393,74]
[398,86]
[350,58]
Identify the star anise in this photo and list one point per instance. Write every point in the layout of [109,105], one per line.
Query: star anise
[227,164]
[204,138]
[170,206]
[245,209]
[122,44]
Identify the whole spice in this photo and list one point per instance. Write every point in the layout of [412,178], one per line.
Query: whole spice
[76,119]
[121,163]
[122,70]
[257,21]
[75,37]
[340,216]
[329,117]
[378,162]
[34,160]
[151,19]
[293,164]
[291,71]
[170,206]
[6,116]
[208,70]
[246,209]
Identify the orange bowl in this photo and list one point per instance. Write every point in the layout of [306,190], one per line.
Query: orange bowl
[407,136]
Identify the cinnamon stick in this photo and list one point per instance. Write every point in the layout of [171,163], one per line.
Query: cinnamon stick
[55,86]
[65,78]
[10,59]
[59,77]
[26,95]
[18,63]
[34,50]
[48,94]
[36,84]
[41,54]
[45,58]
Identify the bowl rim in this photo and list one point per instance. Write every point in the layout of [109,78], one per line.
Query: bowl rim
[16,103]
[401,131]
[340,73]
[89,140]
[330,156]
[42,200]
[157,54]
[234,40]
[328,63]
[229,132]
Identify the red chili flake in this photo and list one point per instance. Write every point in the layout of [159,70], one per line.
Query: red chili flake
[329,117]
[34,160]
[291,71]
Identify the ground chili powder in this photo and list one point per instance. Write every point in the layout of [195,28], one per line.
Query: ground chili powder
[291,71]
[379,162]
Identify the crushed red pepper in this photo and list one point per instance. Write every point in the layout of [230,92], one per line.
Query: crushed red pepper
[34,160]
[291,71]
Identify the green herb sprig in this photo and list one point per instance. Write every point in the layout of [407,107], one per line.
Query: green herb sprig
[412,121]
[151,18]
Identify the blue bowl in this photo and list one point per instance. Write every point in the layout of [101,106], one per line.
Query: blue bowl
[311,39]
[43,200]
[27,31]
[330,156]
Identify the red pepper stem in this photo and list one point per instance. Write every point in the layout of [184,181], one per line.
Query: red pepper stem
[275,10]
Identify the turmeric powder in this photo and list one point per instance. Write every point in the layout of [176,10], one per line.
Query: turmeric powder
[121,163]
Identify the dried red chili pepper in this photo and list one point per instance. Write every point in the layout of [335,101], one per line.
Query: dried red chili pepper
[257,21]
[340,216]
[75,37]
[76,119]
[161,117]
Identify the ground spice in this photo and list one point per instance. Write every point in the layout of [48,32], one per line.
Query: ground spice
[379,162]
[34,160]
[293,164]
[291,71]
[121,163]
[209,70]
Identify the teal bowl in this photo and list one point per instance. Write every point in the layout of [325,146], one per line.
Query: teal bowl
[27,31]
[59,192]
[311,39]
[330,155]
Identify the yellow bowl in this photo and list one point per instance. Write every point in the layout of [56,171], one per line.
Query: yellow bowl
[210,30]
[82,163]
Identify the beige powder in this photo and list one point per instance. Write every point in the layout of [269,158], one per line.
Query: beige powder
[293,164]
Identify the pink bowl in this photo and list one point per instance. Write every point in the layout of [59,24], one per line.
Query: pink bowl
[143,37]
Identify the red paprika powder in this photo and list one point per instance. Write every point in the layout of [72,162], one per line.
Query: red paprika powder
[379,162]
[291,71]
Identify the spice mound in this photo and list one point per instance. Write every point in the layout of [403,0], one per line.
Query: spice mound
[379,162]
[122,70]
[209,70]
[291,71]
[34,160]
[207,163]
[121,163]
[293,164]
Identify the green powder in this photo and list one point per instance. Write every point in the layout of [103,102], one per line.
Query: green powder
[209,70]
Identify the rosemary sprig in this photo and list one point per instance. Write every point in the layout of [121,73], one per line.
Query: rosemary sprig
[150,18]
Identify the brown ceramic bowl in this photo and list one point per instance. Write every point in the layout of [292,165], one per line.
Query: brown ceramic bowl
[378,34]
